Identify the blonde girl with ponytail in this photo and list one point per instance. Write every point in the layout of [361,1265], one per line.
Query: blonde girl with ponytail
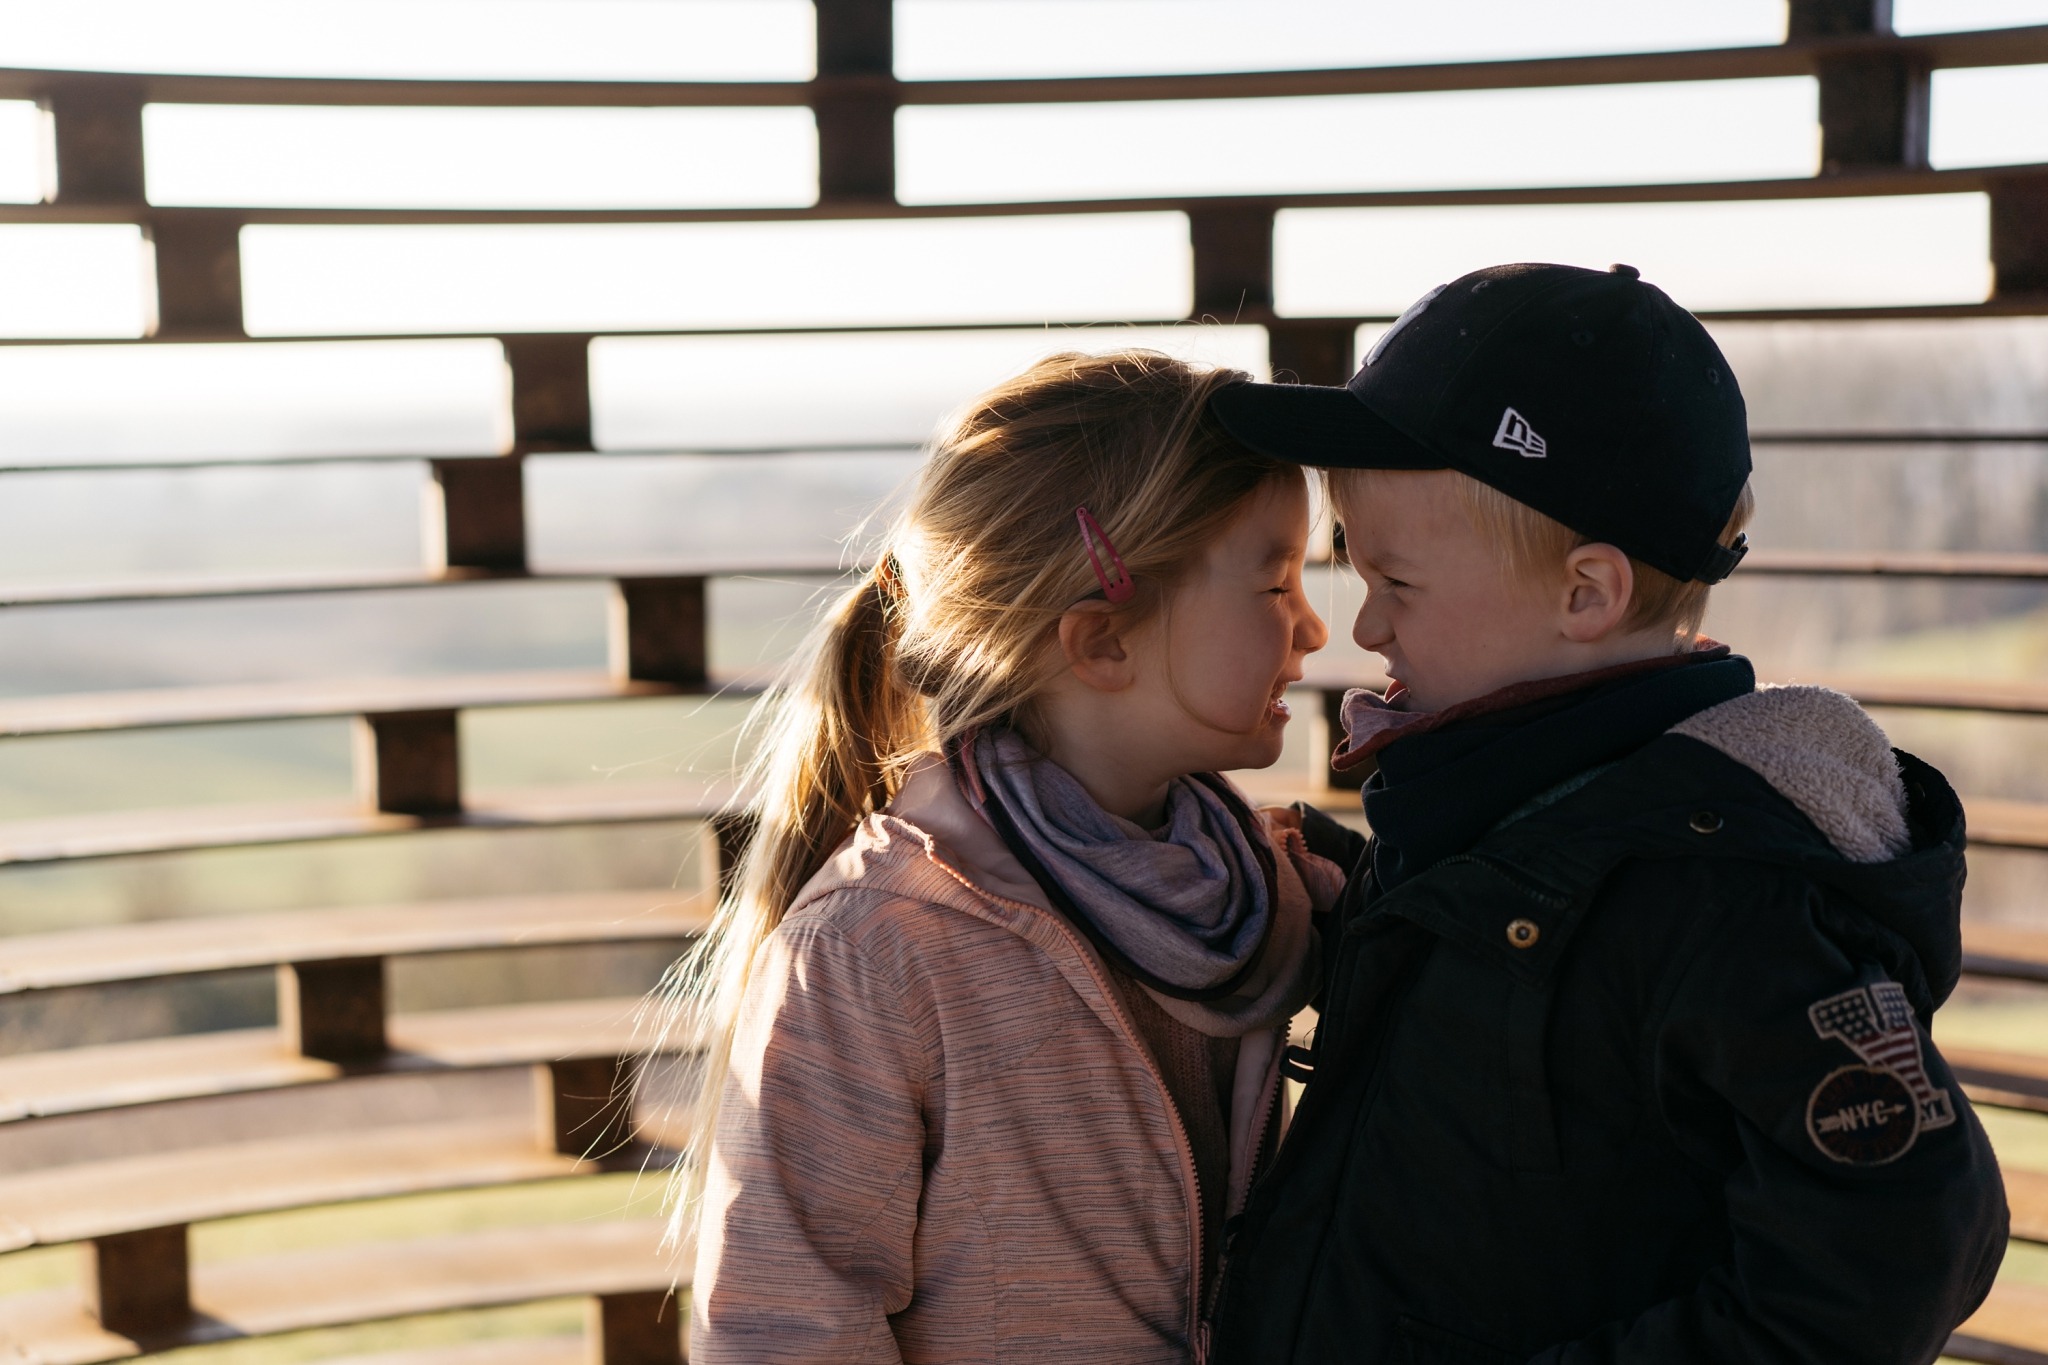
[992,1017]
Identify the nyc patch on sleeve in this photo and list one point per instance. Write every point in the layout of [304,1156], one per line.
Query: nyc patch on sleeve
[1873,1113]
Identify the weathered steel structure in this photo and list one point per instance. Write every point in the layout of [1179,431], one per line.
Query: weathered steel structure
[131,1215]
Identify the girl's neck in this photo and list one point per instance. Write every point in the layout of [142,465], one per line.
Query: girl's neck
[1107,764]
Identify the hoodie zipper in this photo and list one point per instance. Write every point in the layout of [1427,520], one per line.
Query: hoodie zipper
[1269,1101]
[1198,1333]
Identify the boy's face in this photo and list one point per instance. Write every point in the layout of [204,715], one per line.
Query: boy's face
[1440,606]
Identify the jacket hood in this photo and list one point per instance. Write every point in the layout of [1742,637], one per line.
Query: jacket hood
[1793,777]
[1825,755]
[1892,827]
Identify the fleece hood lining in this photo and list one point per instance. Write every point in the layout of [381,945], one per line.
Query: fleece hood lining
[1824,754]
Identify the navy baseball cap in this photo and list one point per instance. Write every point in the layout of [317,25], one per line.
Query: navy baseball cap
[1588,395]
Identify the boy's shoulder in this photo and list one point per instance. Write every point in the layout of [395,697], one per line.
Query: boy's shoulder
[1781,814]
[1794,775]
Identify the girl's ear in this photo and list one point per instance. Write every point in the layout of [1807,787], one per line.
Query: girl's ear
[1092,639]
[1599,585]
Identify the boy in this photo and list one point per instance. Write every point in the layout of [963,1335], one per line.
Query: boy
[1623,1049]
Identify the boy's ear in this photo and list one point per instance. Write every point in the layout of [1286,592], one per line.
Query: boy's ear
[1092,639]
[1599,585]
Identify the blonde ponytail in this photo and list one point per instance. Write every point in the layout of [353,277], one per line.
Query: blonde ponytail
[948,632]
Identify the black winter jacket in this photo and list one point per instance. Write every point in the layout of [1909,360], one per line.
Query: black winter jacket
[1642,1076]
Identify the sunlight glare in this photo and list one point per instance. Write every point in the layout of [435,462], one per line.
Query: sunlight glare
[481,158]
[967,39]
[627,277]
[73,280]
[1599,135]
[667,393]
[1989,116]
[1816,253]
[716,40]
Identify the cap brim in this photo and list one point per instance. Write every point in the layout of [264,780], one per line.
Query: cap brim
[1316,425]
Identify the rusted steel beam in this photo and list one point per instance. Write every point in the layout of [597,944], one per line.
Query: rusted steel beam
[1311,350]
[198,274]
[640,1328]
[139,1284]
[1987,47]
[1851,183]
[2019,237]
[475,515]
[726,835]
[855,101]
[586,1105]
[1233,250]
[550,392]
[333,1011]
[408,762]
[659,630]
[99,140]
[1873,103]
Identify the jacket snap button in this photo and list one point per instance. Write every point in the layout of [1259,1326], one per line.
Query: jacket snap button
[1706,822]
[1523,933]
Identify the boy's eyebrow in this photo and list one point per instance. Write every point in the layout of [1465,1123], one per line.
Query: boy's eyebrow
[1385,559]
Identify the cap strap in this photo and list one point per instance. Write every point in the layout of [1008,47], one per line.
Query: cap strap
[1721,561]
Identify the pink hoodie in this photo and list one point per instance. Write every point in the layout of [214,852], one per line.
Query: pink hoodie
[942,1138]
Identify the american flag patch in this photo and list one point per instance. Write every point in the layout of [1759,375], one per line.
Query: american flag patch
[1879,1111]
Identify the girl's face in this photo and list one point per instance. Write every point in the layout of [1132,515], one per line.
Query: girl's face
[1214,668]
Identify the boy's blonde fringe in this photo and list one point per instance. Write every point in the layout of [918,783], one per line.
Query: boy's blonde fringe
[1531,543]
[947,632]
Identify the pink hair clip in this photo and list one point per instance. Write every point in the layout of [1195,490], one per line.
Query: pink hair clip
[1116,581]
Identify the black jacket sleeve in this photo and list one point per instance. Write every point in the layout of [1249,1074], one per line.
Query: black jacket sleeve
[1866,1213]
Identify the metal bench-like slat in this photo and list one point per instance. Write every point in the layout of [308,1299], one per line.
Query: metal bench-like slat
[297,1292]
[133,952]
[121,833]
[105,1198]
[2010,1329]
[87,1079]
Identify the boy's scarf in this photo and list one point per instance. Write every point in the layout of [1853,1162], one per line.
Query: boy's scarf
[1185,909]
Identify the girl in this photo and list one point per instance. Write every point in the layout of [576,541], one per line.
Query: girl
[994,1015]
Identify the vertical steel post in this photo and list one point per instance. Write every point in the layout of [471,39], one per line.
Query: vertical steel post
[1873,109]
[854,101]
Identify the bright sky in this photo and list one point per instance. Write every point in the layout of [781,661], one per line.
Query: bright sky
[93,281]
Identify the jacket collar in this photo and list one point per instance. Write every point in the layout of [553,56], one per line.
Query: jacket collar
[1439,791]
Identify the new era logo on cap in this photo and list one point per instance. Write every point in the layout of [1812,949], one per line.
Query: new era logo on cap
[1516,434]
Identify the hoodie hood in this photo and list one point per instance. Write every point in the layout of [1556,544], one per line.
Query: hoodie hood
[1892,825]
[1824,754]
[1793,777]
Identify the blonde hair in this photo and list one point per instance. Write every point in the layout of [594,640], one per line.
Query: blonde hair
[948,632]
[1531,543]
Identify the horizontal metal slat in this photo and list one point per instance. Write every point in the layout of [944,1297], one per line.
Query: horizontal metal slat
[1987,47]
[366,1283]
[125,833]
[102,1198]
[87,1080]
[90,712]
[1880,182]
[1897,564]
[2012,306]
[219,943]
[354,581]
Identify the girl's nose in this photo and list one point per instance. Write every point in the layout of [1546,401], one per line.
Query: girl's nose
[1311,633]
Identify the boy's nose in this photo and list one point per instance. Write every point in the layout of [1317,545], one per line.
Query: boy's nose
[1370,631]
